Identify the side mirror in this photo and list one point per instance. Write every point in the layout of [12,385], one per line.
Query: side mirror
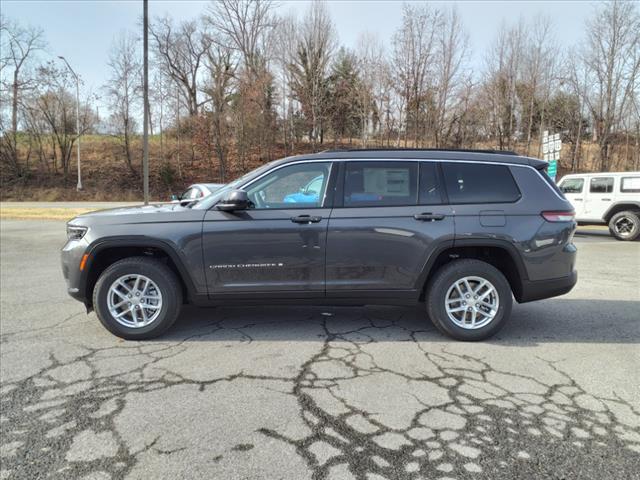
[175,197]
[236,200]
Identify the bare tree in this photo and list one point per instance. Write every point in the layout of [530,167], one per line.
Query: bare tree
[56,104]
[413,49]
[243,25]
[612,58]
[180,51]
[19,43]
[218,87]
[370,87]
[285,43]
[450,54]
[160,93]
[503,70]
[124,90]
[539,70]
[316,43]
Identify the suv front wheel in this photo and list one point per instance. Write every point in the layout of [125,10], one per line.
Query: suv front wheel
[137,298]
[469,300]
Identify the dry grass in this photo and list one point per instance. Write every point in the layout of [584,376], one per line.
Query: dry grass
[22,213]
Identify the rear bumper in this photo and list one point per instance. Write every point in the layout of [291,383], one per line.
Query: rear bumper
[547,288]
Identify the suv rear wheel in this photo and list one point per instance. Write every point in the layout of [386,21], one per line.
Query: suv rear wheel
[469,300]
[625,225]
[137,298]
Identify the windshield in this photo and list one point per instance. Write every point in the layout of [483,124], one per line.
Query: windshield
[210,200]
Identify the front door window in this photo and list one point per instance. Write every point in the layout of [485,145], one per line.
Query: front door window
[294,186]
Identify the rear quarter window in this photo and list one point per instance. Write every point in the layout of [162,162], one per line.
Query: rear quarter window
[630,184]
[479,183]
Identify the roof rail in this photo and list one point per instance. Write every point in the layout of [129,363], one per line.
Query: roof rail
[499,152]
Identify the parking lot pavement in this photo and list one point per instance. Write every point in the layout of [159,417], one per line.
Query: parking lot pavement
[295,393]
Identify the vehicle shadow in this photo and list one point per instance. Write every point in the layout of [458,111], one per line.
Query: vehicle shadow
[549,321]
[591,232]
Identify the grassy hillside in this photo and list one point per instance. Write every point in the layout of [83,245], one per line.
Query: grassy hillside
[174,165]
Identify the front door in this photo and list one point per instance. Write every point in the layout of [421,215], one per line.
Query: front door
[277,245]
[574,190]
[384,227]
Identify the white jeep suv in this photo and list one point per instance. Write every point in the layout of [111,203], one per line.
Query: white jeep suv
[606,198]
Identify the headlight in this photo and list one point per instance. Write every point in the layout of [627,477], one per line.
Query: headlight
[75,232]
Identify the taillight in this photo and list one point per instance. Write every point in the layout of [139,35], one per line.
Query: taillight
[554,216]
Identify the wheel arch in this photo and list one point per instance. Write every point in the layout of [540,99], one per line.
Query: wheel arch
[621,207]
[107,251]
[498,253]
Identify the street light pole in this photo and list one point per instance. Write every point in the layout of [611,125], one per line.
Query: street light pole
[145,89]
[79,186]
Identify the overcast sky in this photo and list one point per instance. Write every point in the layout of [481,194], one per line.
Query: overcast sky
[82,31]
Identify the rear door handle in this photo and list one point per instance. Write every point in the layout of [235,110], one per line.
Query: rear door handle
[428,217]
[577,199]
[305,219]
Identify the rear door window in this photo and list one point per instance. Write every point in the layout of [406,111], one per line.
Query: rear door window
[380,184]
[572,185]
[430,188]
[601,185]
[479,183]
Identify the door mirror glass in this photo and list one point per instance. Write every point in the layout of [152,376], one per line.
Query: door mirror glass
[236,200]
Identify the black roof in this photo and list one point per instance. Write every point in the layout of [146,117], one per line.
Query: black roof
[498,152]
[497,156]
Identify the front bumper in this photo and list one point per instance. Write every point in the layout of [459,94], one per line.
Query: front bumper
[70,259]
[553,287]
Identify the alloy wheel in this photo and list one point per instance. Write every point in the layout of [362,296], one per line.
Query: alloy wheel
[134,301]
[472,302]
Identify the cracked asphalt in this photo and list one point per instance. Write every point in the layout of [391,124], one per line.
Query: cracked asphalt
[296,393]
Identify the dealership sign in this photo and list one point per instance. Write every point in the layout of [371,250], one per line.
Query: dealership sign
[551,146]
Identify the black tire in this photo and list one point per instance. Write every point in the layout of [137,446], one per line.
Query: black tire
[445,277]
[631,220]
[166,282]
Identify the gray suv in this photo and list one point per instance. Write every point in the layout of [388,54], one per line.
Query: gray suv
[462,232]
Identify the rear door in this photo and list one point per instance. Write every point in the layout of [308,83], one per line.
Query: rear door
[388,219]
[482,196]
[599,197]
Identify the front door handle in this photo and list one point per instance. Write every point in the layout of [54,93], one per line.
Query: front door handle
[428,217]
[606,199]
[577,199]
[305,219]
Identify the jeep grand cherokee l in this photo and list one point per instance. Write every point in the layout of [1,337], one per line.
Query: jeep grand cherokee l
[462,232]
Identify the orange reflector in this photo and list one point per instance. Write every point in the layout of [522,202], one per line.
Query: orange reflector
[83,262]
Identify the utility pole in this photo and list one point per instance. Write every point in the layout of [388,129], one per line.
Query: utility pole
[79,186]
[145,87]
